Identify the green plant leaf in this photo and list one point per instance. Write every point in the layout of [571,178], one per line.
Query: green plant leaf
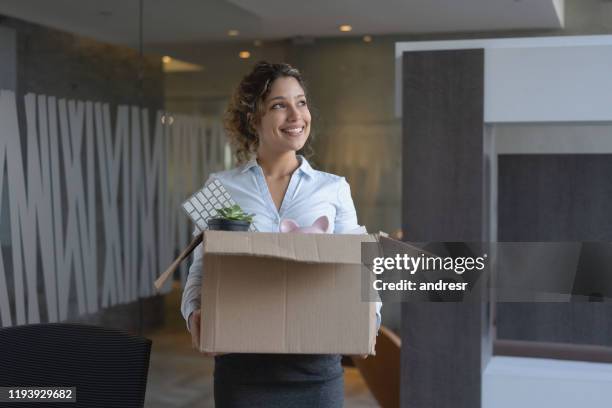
[234,213]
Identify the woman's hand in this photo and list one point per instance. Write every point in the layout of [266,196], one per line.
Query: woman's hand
[194,324]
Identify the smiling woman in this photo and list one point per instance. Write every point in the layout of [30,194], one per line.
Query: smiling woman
[278,111]
[268,123]
[285,124]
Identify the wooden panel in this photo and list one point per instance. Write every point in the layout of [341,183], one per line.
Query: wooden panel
[442,200]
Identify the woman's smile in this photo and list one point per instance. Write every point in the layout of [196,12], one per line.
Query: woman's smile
[293,130]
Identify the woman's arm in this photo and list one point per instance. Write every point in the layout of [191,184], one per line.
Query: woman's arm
[193,287]
[346,221]
[346,216]
[191,302]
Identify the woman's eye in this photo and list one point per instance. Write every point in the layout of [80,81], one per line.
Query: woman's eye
[282,105]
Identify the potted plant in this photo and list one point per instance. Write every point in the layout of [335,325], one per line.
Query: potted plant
[227,219]
[231,219]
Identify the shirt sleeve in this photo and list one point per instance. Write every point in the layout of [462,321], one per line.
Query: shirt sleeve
[193,286]
[346,221]
[346,216]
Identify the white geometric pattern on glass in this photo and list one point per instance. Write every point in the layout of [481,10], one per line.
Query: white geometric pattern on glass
[96,144]
[204,204]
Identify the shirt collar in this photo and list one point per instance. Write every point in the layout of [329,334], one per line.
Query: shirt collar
[304,166]
[248,165]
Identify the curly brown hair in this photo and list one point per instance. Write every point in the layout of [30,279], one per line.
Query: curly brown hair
[246,107]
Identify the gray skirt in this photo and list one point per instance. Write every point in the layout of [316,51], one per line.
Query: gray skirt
[278,380]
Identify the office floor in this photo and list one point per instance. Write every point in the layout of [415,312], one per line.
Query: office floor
[180,377]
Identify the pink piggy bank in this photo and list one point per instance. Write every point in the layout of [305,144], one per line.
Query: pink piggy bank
[320,226]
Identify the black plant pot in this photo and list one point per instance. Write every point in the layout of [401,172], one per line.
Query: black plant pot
[222,224]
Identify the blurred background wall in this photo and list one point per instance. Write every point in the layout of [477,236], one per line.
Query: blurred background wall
[182,60]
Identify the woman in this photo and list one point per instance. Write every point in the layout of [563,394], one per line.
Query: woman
[268,122]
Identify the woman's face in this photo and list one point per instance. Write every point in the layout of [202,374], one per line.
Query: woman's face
[285,123]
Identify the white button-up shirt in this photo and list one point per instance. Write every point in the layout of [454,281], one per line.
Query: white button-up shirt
[310,194]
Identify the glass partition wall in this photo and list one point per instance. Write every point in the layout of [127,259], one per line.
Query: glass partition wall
[104,131]
[111,115]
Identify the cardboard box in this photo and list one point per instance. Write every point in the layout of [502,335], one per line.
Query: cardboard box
[285,293]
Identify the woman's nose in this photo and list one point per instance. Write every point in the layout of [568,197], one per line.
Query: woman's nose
[293,113]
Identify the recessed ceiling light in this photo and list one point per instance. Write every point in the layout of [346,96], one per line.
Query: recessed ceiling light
[367,38]
[345,28]
[244,54]
[233,33]
[172,65]
[257,43]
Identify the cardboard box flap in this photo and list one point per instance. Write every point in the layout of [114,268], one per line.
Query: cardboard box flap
[313,248]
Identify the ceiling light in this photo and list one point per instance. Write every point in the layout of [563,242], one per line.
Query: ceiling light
[345,28]
[233,33]
[257,43]
[367,38]
[244,54]
[172,65]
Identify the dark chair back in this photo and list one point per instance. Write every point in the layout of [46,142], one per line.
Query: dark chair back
[108,367]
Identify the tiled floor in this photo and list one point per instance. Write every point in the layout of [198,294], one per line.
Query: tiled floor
[180,377]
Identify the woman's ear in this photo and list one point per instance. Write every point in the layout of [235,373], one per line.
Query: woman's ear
[322,222]
[288,225]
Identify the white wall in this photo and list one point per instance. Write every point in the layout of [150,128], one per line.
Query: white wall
[548,84]
[510,382]
[541,79]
